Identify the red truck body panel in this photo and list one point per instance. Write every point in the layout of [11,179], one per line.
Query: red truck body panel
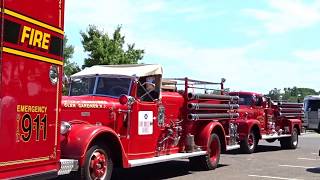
[32,42]
[91,110]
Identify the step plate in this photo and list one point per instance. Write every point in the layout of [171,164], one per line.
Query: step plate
[68,165]
[141,162]
[275,136]
[233,147]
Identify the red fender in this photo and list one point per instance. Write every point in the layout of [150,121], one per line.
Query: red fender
[294,122]
[202,138]
[245,126]
[75,144]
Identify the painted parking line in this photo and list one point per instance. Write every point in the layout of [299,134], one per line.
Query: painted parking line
[304,167]
[273,177]
[308,159]
[310,135]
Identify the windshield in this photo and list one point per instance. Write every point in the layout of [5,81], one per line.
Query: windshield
[114,86]
[245,100]
[106,86]
[312,105]
[82,86]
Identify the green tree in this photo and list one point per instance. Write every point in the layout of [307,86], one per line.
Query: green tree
[69,67]
[274,94]
[105,50]
[293,94]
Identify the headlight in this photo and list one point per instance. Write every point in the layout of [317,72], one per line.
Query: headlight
[65,127]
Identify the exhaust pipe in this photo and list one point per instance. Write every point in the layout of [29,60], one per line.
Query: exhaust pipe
[291,114]
[194,117]
[201,106]
[212,96]
[290,105]
[291,109]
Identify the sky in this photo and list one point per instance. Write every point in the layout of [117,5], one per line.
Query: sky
[255,45]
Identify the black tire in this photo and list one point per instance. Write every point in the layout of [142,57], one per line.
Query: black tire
[249,144]
[97,158]
[290,142]
[209,161]
[318,130]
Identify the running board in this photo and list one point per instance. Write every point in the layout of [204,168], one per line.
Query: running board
[164,158]
[233,147]
[68,165]
[275,136]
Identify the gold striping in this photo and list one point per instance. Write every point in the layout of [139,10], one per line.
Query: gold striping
[10,163]
[32,56]
[33,21]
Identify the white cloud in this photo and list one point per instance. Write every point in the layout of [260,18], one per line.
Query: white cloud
[241,71]
[181,58]
[287,15]
[136,18]
[100,12]
[154,6]
[308,55]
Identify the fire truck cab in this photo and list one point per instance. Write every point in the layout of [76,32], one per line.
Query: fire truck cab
[262,118]
[118,116]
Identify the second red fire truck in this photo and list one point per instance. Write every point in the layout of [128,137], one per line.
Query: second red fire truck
[264,119]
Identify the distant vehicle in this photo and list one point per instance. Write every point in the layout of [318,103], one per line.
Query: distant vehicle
[260,118]
[312,112]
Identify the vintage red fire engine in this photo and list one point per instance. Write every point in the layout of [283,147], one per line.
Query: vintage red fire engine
[261,118]
[117,116]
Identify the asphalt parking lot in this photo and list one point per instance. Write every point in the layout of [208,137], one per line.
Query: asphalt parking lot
[269,162]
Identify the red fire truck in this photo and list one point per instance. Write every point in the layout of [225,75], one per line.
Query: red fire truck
[30,87]
[261,118]
[117,116]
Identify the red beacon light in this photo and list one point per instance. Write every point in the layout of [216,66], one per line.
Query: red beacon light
[126,100]
[123,99]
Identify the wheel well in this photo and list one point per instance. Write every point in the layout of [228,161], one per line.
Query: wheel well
[256,130]
[296,126]
[112,143]
[219,132]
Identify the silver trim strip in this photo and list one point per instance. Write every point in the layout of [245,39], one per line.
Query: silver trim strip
[233,147]
[274,136]
[141,162]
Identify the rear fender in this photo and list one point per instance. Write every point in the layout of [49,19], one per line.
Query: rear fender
[295,123]
[80,138]
[202,138]
[245,127]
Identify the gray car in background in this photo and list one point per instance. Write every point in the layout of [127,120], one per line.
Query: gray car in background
[312,112]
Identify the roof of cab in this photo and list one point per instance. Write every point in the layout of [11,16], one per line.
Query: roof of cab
[245,93]
[130,70]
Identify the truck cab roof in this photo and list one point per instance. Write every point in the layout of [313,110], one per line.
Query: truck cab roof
[244,93]
[128,70]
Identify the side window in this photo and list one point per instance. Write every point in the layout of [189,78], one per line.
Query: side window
[82,86]
[259,101]
[149,88]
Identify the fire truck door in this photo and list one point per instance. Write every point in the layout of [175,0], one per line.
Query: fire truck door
[143,130]
[259,111]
